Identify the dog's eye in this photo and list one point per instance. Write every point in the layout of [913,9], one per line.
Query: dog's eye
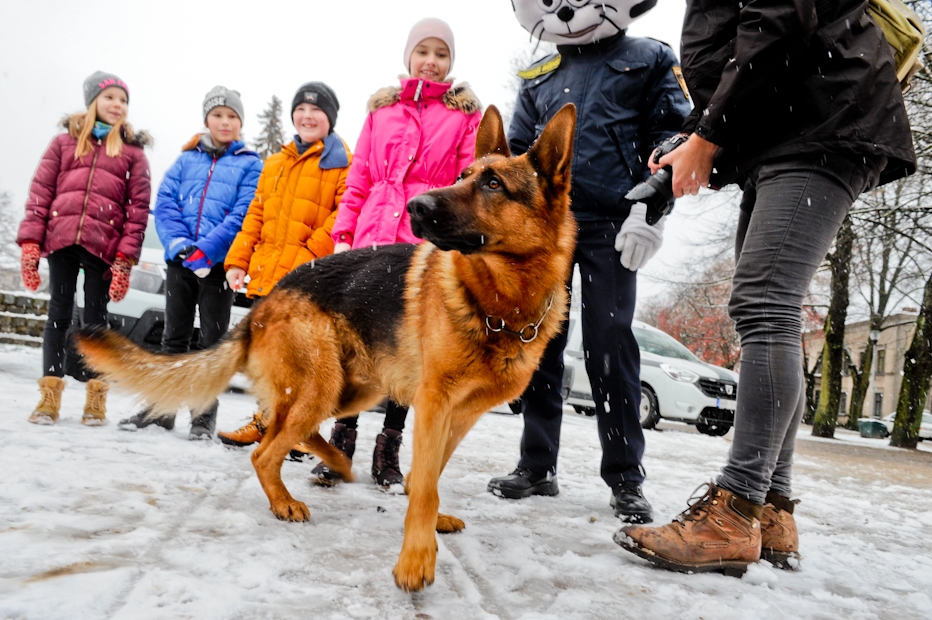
[494,183]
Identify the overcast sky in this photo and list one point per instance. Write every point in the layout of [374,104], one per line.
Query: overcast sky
[172,52]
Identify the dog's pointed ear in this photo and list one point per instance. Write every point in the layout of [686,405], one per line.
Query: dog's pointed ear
[491,137]
[552,154]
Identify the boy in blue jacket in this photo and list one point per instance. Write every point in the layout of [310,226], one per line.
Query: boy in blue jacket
[199,210]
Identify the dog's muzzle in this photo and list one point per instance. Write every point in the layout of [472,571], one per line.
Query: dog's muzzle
[431,222]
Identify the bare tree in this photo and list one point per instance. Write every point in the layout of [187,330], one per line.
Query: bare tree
[917,368]
[826,415]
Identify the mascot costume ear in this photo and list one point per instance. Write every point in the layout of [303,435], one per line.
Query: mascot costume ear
[577,22]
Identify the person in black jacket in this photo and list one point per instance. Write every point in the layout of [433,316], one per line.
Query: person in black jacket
[798,102]
[628,99]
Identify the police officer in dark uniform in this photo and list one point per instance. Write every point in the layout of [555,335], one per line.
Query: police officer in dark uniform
[629,97]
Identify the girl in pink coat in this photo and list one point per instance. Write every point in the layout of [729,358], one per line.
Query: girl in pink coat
[418,136]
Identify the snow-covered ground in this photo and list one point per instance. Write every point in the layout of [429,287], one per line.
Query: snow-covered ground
[101,523]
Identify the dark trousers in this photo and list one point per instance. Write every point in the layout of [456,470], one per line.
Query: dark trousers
[185,293]
[790,213]
[64,266]
[612,363]
[395,416]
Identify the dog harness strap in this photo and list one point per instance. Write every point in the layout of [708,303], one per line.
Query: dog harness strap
[527,334]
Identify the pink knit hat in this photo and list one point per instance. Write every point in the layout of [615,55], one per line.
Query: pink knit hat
[425,29]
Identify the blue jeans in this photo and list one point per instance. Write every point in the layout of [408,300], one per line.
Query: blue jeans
[790,213]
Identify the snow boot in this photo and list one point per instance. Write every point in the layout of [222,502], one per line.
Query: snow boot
[342,438]
[523,483]
[246,435]
[779,538]
[46,412]
[720,532]
[253,431]
[386,471]
[204,424]
[95,407]
[141,420]
[630,504]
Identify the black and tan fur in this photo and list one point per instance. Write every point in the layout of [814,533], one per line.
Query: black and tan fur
[335,336]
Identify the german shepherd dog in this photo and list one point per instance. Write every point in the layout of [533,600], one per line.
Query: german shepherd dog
[453,326]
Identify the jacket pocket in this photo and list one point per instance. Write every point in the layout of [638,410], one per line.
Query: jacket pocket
[625,83]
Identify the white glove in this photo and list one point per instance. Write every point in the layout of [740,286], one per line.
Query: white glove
[203,272]
[638,241]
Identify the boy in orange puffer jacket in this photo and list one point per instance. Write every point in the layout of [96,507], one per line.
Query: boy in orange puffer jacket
[291,217]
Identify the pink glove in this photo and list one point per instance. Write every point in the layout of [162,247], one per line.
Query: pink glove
[119,285]
[29,265]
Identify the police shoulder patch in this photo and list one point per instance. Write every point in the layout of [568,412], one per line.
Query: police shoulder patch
[678,74]
[539,68]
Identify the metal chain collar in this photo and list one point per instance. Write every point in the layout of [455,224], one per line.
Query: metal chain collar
[527,334]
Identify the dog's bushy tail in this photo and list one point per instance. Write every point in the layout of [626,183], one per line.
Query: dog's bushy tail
[165,382]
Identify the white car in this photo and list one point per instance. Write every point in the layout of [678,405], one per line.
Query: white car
[925,427]
[675,384]
[141,314]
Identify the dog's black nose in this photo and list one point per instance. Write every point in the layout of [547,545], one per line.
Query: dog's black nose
[422,206]
[566,14]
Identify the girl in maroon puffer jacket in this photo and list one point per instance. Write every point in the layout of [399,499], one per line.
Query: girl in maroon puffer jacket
[88,208]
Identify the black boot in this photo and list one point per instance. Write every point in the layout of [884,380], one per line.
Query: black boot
[524,483]
[138,421]
[630,504]
[203,425]
[342,438]
[386,471]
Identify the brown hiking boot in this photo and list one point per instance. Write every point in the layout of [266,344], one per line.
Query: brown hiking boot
[718,532]
[95,407]
[254,431]
[386,471]
[779,538]
[46,412]
[342,438]
[247,435]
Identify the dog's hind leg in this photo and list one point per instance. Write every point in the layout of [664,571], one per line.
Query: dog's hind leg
[332,456]
[418,557]
[271,453]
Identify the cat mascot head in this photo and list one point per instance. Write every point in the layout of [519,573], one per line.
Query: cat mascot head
[577,21]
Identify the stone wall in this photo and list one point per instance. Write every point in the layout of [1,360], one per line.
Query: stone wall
[22,317]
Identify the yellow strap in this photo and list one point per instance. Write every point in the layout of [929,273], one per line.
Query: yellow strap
[547,67]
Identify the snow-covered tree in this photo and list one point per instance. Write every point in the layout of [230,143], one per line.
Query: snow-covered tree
[271,134]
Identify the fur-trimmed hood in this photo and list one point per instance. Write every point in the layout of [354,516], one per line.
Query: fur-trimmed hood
[141,138]
[458,97]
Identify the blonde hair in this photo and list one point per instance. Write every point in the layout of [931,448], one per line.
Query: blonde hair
[81,124]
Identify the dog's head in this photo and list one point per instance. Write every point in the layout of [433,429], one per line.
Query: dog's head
[578,22]
[503,204]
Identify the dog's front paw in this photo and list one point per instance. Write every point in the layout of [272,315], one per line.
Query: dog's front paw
[292,510]
[415,569]
[447,524]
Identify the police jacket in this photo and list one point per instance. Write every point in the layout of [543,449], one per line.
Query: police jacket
[772,79]
[627,100]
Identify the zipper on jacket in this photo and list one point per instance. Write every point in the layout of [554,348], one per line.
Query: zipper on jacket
[87,195]
[200,207]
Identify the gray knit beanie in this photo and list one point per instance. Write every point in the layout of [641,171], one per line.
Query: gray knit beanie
[220,96]
[100,80]
[321,95]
